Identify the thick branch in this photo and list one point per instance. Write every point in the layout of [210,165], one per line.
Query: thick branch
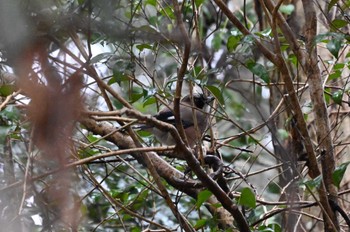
[279,62]
[321,118]
[166,171]
[169,173]
[287,32]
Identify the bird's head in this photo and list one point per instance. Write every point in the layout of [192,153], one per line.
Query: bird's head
[199,100]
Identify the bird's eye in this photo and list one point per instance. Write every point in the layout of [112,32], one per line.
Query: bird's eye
[199,102]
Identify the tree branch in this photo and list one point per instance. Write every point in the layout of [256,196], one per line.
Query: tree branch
[321,118]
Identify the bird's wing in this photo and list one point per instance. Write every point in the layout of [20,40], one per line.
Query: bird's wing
[168,117]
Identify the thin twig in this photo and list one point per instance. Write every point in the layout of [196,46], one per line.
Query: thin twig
[8,99]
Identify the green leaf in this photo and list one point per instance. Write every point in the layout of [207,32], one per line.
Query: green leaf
[4,130]
[143,133]
[338,173]
[196,74]
[327,94]
[293,58]
[334,75]
[10,113]
[339,66]
[146,29]
[217,41]
[247,198]
[274,227]
[274,188]
[200,224]
[314,183]
[233,42]
[118,77]
[136,229]
[334,46]
[248,39]
[137,93]
[6,90]
[339,23]
[149,101]
[265,33]
[88,152]
[117,104]
[126,216]
[282,134]
[80,2]
[287,9]
[259,70]
[16,133]
[151,2]
[198,2]
[217,93]
[202,197]
[331,4]
[141,47]
[168,12]
[100,57]
[337,96]
[93,138]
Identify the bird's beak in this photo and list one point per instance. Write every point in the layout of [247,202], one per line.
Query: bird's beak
[209,99]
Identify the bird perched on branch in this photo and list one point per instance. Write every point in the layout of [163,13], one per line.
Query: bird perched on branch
[194,117]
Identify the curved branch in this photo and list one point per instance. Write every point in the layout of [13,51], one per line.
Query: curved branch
[166,171]
[123,141]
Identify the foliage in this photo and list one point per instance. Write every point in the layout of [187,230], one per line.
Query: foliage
[79,77]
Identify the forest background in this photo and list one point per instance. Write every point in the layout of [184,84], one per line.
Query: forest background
[77,75]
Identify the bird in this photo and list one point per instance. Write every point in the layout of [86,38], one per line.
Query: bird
[193,109]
